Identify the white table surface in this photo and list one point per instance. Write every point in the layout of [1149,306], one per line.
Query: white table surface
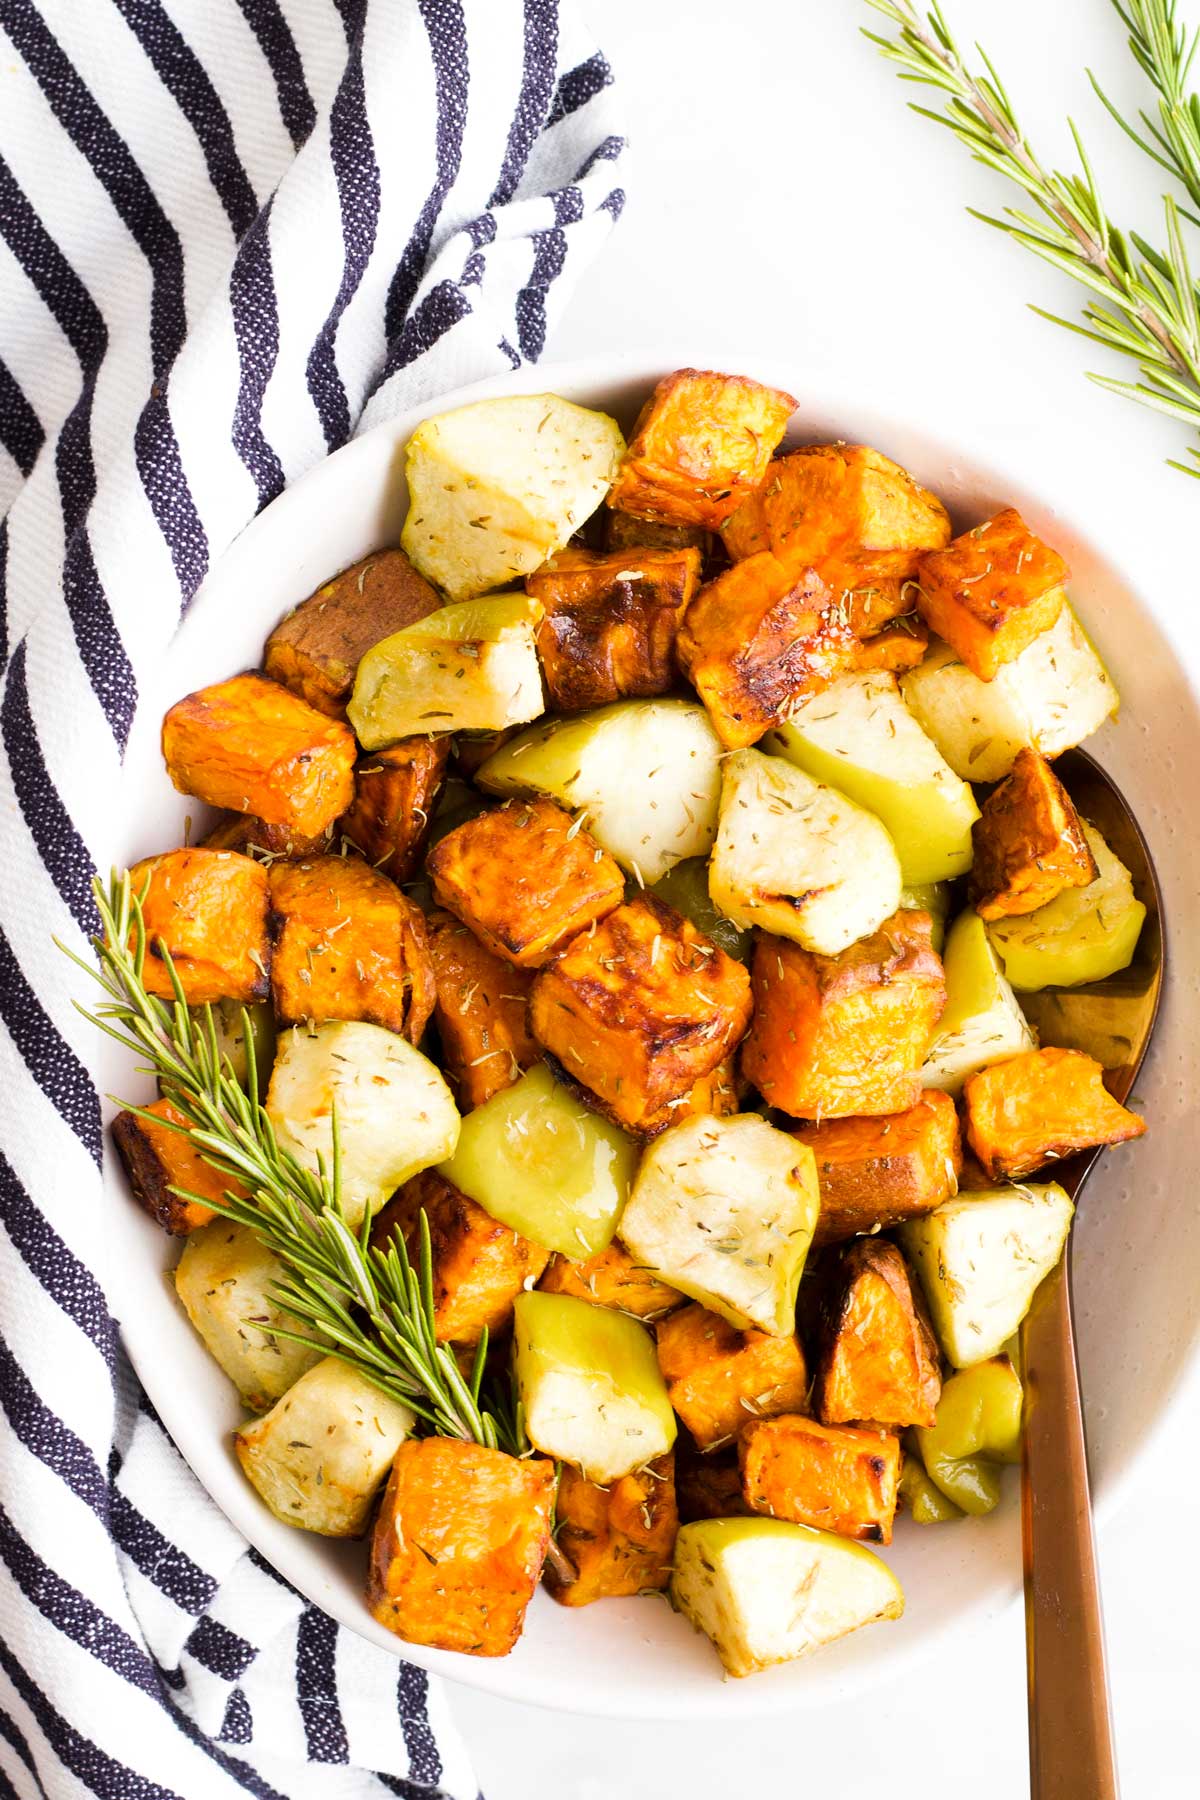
[783,198]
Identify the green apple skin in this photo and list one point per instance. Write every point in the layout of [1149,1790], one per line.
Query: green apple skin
[976,1432]
[983,1022]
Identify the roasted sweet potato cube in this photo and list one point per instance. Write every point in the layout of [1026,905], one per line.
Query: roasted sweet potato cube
[845,1036]
[991,591]
[472,748]
[349,946]
[479,1265]
[158,1158]
[877,1357]
[835,1477]
[525,878]
[756,641]
[719,1377]
[253,746]
[715,1093]
[482,1012]
[210,909]
[459,1543]
[394,795]
[611,1278]
[708,1485]
[618,1539]
[622,531]
[316,650]
[641,1009]
[701,443]
[1039,1107]
[254,837]
[609,623]
[1029,842]
[877,1172]
[896,647]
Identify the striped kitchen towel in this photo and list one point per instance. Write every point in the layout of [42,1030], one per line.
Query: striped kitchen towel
[232,233]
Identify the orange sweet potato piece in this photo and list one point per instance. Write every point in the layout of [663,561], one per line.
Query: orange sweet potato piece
[157,1158]
[878,1358]
[482,1012]
[459,1543]
[715,1094]
[845,1036]
[877,1172]
[832,1476]
[718,1376]
[394,795]
[896,647]
[707,1485]
[479,1265]
[611,1278]
[609,623]
[1039,1107]
[756,641]
[317,648]
[254,837]
[619,1539]
[253,746]
[622,531]
[990,592]
[641,1009]
[701,443]
[525,878]
[210,908]
[350,946]
[1028,842]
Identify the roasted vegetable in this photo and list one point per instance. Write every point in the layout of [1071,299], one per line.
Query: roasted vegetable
[723,1210]
[251,745]
[541,1162]
[845,1036]
[708,1485]
[685,887]
[982,1022]
[228,1023]
[895,648]
[470,667]
[976,1432]
[526,879]
[934,898]
[980,1260]
[860,739]
[395,1114]
[702,442]
[769,1592]
[924,1500]
[611,1278]
[618,1539]
[158,1158]
[640,1009]
[609,623]
[877,1357]
[482,1013]
[1029,843]
[496,487]
[1039,1107]
[209,909]
[316,649]
[589,1386]
[254,837]
[992,591]
[798,859]
[321,1454]
[646,773]
[623,531]
[833,1477]
[349,946]
[1084,934]
[877,1172]
[395,792]
[459,1543]
[225,1279]
[719,1377]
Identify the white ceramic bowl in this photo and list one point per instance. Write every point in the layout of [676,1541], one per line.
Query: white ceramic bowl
[1137,1248]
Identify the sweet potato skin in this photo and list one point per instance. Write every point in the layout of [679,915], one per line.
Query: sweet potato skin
[250,745]
[619,1539]
[719,1377]
[707,1486]
[610,622]
[834,1477]
[317,648]
[877,1172]
[459,1543]
[479,1265]
[394,795]
[1029,843]
[1039,1107]
[623,531]
[482,1012]
[211,910]
[525,878]
[611,1278]
[349,946]
[845,1036]
[990,592]
[254,837]
[895,648]
[878,1358]
[156,1158]
[701,443]
[641,1009]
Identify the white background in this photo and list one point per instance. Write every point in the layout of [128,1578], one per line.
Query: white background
[783,198]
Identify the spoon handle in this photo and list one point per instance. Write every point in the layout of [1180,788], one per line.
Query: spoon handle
[1070,1726]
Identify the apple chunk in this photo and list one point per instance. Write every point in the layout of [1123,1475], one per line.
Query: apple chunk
[983,1022]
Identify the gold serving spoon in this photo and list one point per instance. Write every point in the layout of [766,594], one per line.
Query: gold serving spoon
[1071,1753]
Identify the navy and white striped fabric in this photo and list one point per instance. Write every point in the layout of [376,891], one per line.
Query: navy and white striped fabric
[232,233]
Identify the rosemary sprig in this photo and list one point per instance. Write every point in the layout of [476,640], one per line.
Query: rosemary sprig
[1164,52]
[367,1305]
[1143,301]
